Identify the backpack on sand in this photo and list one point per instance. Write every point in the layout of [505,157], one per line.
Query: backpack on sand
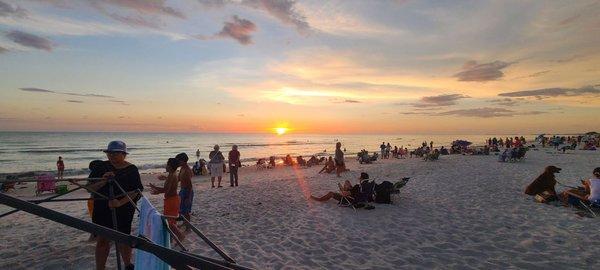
[383,192]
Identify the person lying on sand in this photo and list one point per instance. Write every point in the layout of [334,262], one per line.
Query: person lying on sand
[329,166]
[544,184]
[589,192]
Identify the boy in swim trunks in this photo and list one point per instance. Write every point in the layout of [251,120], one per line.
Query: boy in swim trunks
[186,194]
[171,201]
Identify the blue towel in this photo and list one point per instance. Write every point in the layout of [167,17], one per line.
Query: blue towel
[153,228]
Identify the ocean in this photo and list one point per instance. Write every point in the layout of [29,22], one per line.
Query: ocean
[37,152]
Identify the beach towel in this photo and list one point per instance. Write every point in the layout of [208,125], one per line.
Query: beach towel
[152,227]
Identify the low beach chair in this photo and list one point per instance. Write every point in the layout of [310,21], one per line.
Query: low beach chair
[399,185]
[592,207]
[46,182]
[346,200]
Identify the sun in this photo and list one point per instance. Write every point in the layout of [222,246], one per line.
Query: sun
[281,130]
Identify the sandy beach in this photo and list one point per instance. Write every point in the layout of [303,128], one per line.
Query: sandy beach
[460,212]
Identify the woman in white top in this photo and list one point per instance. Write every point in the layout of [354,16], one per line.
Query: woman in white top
[215,165]
[594,187]
[591,193]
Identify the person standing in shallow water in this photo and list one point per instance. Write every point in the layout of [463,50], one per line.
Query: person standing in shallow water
[234,164]
[60,167]
[216,165]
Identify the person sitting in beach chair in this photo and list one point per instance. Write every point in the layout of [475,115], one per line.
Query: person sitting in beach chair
[271,162]
[363,157]
[196,169]
[435,155]
[312,161]
[329,166]
[288,161]
[504,156]
[544,185]
[261,164]
[588,194]
[300,161]
[6,186]
[348,195]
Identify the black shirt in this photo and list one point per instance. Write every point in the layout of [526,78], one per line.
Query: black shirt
[128,178]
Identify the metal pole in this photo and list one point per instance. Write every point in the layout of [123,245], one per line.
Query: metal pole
[127,195]
[114,219]
[41,201]
[33,180]
[67,200]
[207,241]
[176,259]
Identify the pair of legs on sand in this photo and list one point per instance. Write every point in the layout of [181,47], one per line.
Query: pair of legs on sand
[103,249]
[212,181]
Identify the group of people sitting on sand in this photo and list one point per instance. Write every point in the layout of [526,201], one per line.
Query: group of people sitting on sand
[543,189]
[362,194]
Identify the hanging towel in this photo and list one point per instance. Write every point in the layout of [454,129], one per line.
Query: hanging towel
[151,226]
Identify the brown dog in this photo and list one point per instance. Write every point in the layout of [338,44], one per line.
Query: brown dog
[545,182]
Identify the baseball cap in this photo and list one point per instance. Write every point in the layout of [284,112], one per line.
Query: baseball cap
[116,146]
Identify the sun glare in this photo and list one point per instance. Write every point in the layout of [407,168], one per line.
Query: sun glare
[281,130]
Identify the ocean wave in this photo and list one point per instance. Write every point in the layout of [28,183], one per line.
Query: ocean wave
[270,144]
[74,150]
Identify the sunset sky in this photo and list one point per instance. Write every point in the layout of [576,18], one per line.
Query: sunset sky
[443,67]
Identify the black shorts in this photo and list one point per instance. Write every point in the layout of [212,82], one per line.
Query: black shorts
[103,217]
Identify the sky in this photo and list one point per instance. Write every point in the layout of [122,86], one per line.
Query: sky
[340,66]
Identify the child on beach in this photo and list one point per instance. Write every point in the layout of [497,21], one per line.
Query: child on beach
[186,193]
[171,200]
[60,166]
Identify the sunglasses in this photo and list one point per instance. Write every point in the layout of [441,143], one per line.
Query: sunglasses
[114,153]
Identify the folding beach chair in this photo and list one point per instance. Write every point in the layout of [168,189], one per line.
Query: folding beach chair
[592,207]
[46,182]
[346,200]
[399,185]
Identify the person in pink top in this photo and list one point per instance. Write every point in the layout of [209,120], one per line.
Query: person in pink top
[60,166]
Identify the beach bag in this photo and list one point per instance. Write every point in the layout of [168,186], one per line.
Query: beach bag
[383,192]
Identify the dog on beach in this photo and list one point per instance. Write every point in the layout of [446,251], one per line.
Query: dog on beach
[543,183]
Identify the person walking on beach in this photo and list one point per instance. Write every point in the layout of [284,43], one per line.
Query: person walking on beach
[216,165]
[382,147]
[127,176]
[171,199]
[234,163]
[186,193]
[60,167]
[198,154]
[340,165]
